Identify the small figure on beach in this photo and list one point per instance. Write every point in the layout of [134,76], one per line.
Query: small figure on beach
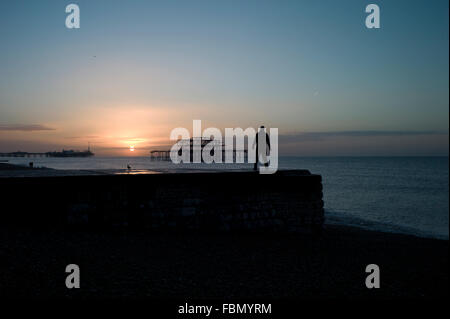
[31,164]
[262,150]
[129,167]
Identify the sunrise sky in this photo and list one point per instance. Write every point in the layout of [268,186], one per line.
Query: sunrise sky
[137,69]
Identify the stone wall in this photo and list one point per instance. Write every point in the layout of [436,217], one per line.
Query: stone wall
[238,201]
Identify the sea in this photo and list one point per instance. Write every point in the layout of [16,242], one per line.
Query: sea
[407,195]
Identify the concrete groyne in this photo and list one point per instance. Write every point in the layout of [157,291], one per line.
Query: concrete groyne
[205,201]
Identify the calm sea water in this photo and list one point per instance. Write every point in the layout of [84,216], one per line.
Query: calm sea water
[395,194]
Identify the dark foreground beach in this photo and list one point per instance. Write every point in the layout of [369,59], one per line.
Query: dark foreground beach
[141,265]
[138,261]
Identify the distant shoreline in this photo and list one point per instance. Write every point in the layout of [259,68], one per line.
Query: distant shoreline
[14,170]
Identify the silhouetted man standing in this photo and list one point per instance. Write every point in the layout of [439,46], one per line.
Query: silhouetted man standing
[262,141]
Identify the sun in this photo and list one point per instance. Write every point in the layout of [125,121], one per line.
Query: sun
[131,148]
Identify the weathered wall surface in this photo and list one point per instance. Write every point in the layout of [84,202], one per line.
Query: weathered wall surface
[239,201]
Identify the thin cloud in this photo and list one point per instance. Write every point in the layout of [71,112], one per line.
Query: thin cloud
[317,136]
[116,148]
[25,127]
[81,137]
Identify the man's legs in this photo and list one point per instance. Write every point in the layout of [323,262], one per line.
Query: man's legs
[264,160]
[255,166]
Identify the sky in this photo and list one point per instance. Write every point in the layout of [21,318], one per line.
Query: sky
[137,69]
